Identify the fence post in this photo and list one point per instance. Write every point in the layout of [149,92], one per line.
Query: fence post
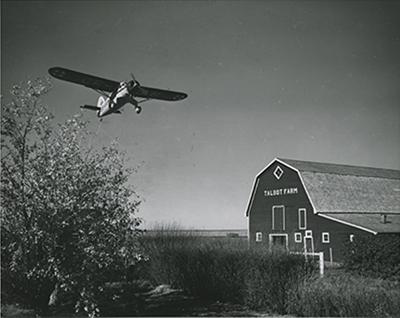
[321,264]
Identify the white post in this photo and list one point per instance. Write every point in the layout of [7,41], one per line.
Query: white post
[321,264]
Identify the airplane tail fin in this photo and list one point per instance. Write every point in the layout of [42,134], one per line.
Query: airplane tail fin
[101,101]
[90,107]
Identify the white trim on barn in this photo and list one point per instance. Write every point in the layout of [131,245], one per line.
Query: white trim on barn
[278,172]
[283,216]
[249,205]
[325,237]
[311,239]
[248,233]
[305,218]
[251,198]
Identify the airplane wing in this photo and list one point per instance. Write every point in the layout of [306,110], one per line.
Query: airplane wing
[84,79]
[156,93]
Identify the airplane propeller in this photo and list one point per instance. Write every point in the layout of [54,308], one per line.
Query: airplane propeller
[133,77]
[136,84]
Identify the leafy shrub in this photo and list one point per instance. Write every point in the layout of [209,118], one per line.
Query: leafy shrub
[67,217]
[377,256]
[344,295]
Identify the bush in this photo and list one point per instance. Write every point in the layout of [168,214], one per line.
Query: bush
[344,295]
[202,267]
[377,256]
[223,269]
[270,276]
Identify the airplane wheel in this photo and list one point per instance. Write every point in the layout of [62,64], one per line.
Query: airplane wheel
[138,109]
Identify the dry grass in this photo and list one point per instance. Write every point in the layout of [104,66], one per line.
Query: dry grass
[223,269]
[344,295]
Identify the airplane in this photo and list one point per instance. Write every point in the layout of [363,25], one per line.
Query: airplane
[120,93]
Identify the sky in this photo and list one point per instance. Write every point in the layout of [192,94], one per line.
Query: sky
[306,80]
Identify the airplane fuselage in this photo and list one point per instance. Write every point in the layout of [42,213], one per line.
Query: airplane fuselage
[117,100]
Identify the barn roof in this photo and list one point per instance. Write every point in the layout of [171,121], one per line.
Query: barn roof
[346,193]
[351,194]
[339,169]
[337,188]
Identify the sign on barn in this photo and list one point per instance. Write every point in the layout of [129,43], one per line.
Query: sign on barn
[273,192]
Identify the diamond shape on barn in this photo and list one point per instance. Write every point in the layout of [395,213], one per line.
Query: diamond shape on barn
[278,172]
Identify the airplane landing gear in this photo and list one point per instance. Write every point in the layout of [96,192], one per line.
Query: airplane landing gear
[135,104]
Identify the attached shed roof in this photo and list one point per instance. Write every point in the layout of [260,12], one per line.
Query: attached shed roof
[371,222]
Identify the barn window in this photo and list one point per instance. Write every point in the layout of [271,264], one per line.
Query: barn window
[351,238]
[308,233]
[297,237]
[278,217]
[258,237]
[302,219]
[325,237]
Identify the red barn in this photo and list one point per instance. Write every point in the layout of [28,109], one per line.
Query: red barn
[317,207]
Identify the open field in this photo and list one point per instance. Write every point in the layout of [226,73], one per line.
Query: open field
[225,233]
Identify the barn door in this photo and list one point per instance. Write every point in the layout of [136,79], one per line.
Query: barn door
[278,242]
[308,242]
[278,217]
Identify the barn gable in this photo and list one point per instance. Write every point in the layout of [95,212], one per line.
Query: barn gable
[257,178]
